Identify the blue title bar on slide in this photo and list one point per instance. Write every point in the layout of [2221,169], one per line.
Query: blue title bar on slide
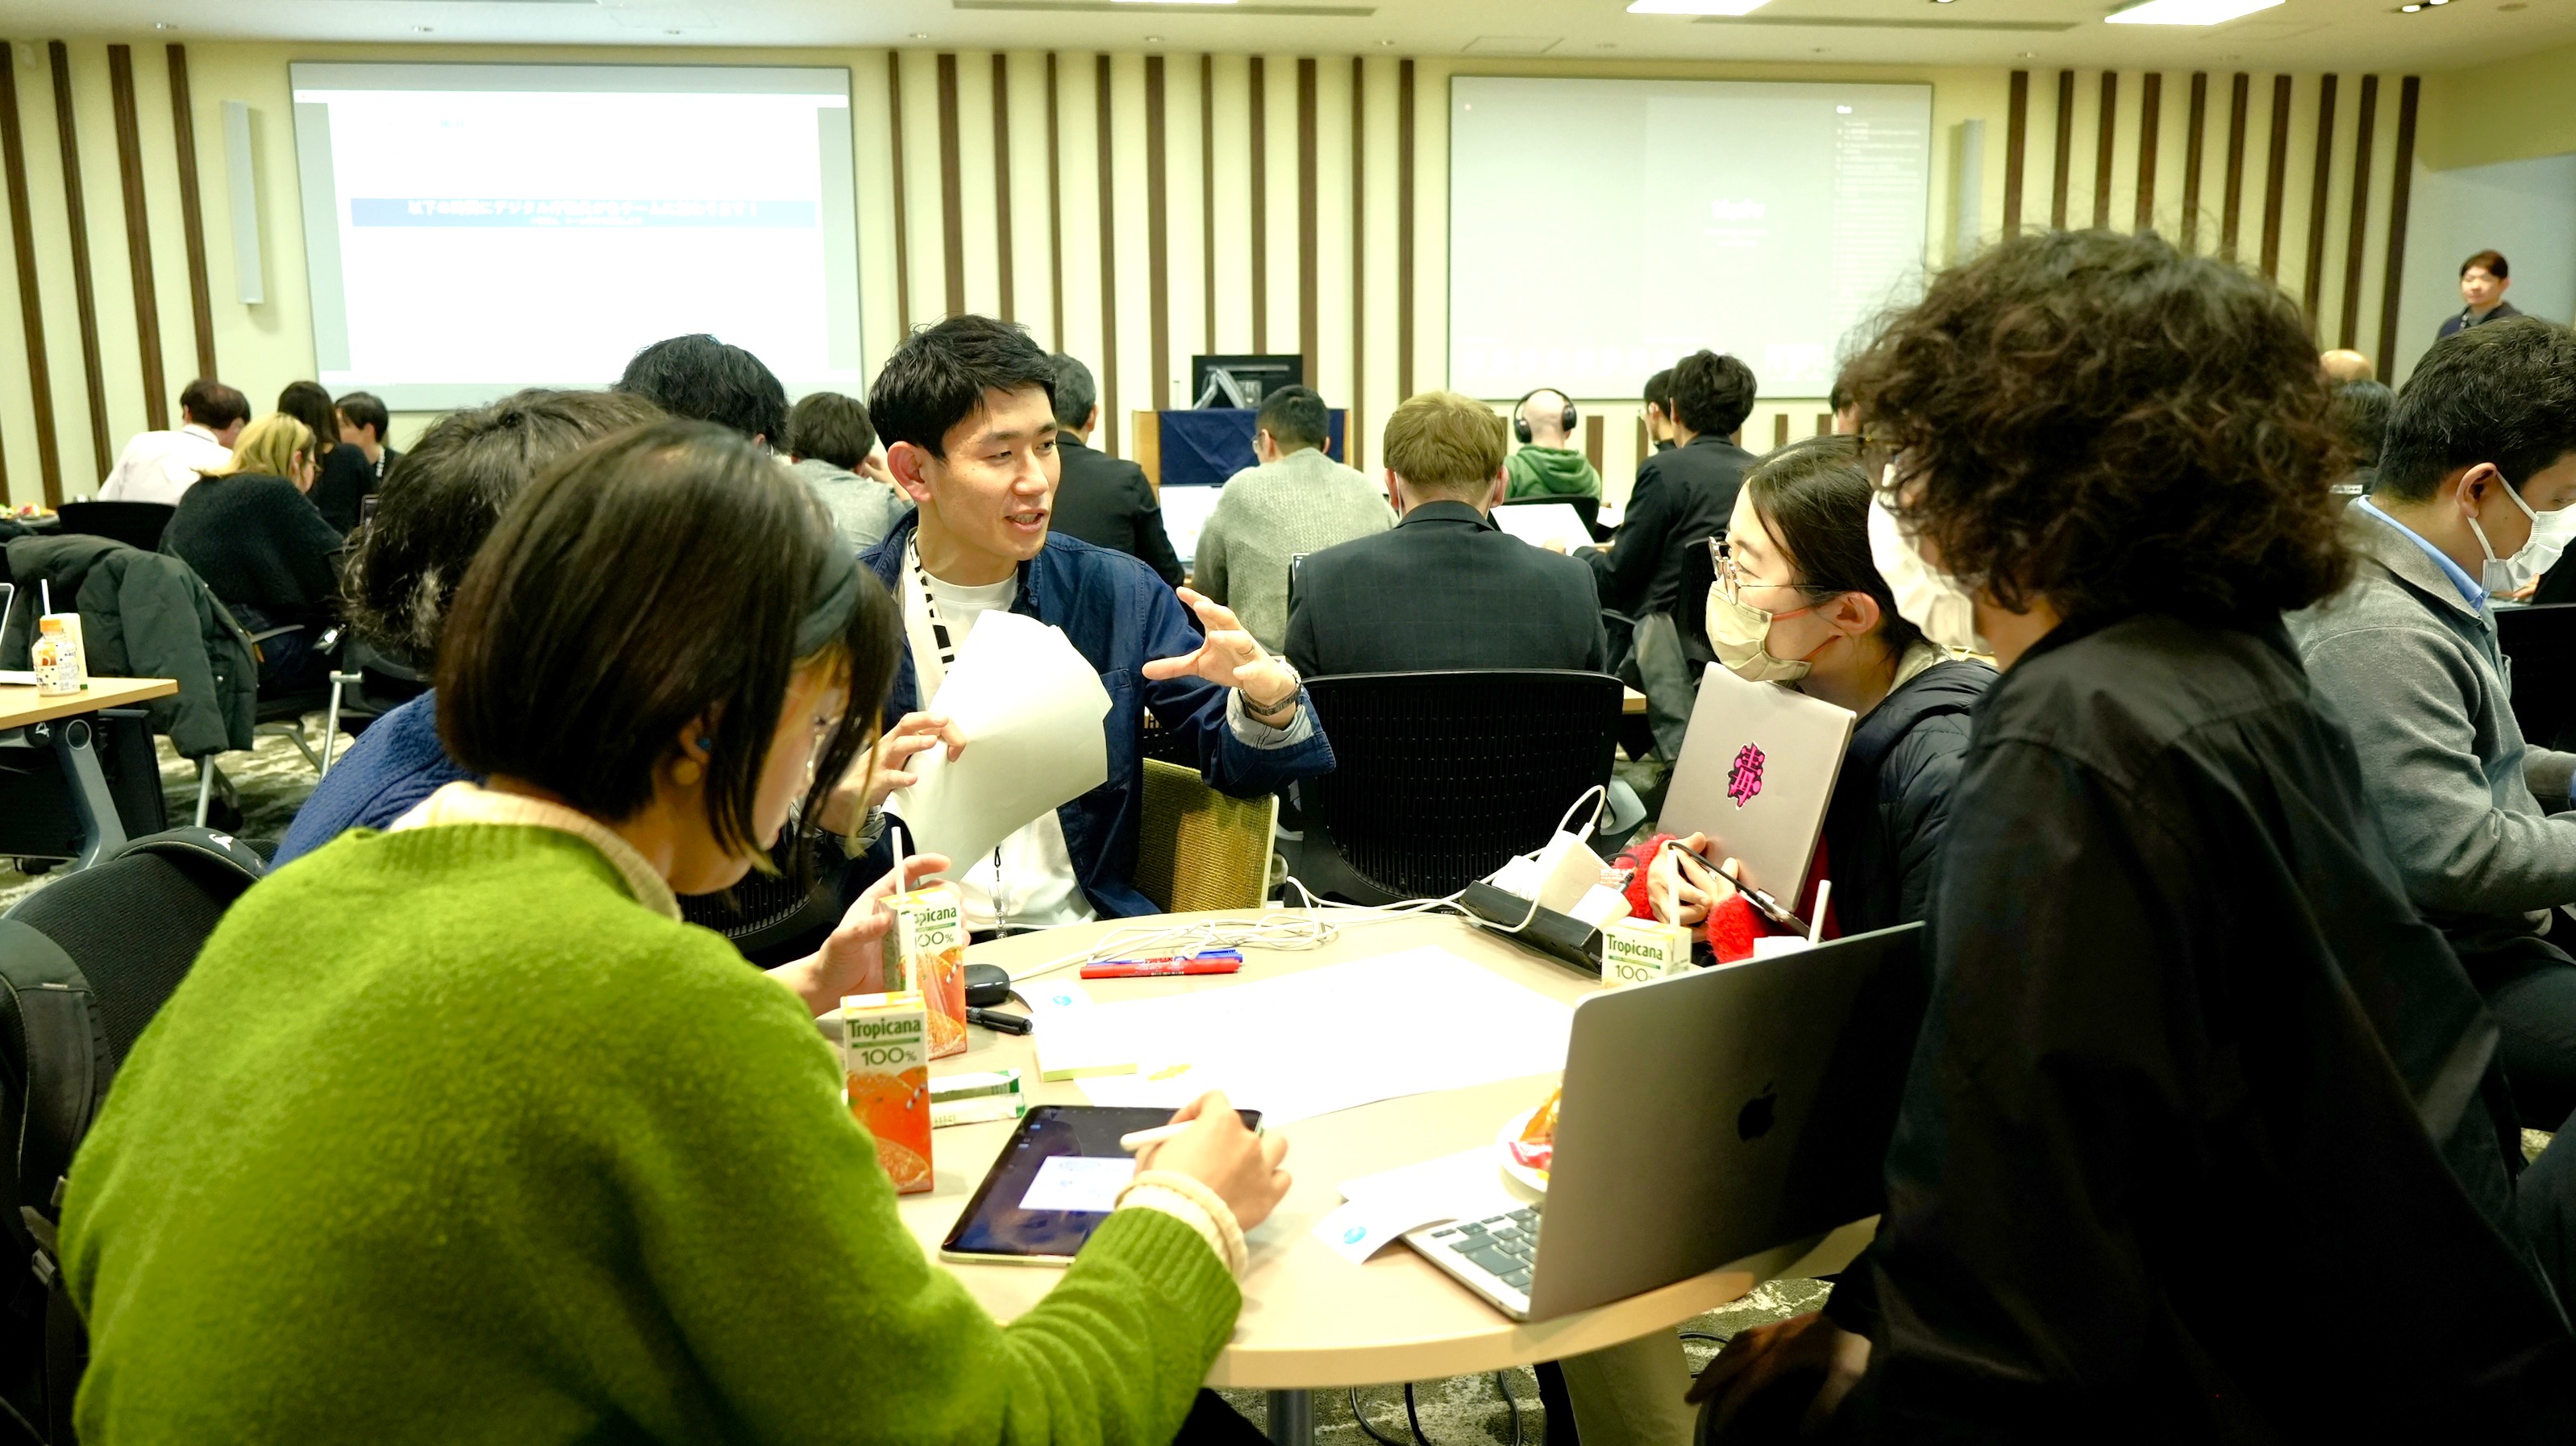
[584,212]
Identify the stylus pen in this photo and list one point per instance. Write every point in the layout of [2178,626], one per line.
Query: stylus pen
[1000,1023]
[1139,1139]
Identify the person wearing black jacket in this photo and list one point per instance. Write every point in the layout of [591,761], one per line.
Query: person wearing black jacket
[253,535]
[1682,498]
[1445,588]
[1103,500]
[2185,1028]
[342,475]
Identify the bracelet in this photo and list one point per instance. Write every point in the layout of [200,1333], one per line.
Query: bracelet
[1262,710]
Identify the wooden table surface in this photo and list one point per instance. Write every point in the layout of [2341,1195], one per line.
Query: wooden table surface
[22,705]
[1310,1319]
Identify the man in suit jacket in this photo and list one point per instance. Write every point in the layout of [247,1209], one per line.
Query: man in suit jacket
[1446,588]
[1683,498]
[1099,498]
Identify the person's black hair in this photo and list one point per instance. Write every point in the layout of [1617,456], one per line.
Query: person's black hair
[612,608]
[1295,418]
[366,409]
[2494,262]
[441,499]
[2503,393]
[701,377]
[1839,399]
[212,405]
[1075,392]
[306,402]
[941,374]
[2104,423]
[1813,496]
[1711,393]
[1659,392]
[831,428]
[2361,416]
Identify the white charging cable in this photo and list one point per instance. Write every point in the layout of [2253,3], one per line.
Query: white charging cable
[1300,928]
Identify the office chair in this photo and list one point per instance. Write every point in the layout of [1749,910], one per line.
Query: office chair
[85,962]
[2541,643]
[1440,777]
[136,524]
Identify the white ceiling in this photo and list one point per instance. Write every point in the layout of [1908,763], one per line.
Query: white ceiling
[2303,35]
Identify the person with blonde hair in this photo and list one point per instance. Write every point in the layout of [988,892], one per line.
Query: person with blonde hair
[1445,588]
[263,549]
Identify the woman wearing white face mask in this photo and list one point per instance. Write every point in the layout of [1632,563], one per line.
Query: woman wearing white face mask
[1798,601]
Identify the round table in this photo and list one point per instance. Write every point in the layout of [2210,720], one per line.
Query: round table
[1311,1319]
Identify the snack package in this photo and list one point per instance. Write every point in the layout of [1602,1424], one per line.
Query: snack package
[1636,951]
[885,1053]
[926,953]
[969,1099]
[1536,1147]
[59,662]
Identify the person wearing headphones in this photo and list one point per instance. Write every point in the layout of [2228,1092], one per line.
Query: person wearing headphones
[1544,466]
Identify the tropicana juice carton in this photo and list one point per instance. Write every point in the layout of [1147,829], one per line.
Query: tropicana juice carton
[885,1053]
[926,953]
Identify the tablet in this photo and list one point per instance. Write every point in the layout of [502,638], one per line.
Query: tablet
[1052,1185]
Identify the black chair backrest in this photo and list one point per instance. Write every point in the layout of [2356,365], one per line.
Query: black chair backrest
[85,962]
[136,524]
[1440,777]
[2541,641]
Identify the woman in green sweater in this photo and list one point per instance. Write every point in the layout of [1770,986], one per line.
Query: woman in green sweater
[456,1132]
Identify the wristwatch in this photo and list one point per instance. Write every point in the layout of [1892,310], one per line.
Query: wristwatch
[1296,685]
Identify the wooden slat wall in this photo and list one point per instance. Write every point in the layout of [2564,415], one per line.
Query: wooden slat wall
[1095,151]
[2314,192]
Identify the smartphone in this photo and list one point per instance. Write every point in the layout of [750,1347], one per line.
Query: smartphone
[1763,903]
[1052,1185]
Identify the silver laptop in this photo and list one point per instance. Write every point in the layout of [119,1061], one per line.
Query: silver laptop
[1756,771]
[1185,514]
[1706,1117]
[13,677]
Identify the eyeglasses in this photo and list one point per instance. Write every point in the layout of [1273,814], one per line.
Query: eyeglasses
[1731,578]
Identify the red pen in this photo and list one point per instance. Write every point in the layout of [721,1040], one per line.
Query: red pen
[1160,968]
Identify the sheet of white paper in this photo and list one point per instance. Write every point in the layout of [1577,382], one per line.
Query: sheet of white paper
[1030,706]
[1334,1038]
[1540,523]
[1379,1208]
[1077,1182]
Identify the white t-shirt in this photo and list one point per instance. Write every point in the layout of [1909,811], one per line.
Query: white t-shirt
[162,466]
[1028,882]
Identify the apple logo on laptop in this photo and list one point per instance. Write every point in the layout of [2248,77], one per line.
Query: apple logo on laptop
[1754,1120]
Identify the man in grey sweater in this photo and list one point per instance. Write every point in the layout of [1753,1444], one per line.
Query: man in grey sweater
[1296,501]
[2476,477]
[829,438]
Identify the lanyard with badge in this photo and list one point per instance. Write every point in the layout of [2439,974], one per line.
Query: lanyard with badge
[943,647]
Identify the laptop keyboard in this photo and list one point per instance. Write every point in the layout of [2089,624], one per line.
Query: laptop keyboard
[1501,1246]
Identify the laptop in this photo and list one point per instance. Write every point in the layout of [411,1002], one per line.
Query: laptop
[1756,771]
[1706,1117]
[1185,515]
[1540,523]
[12,677]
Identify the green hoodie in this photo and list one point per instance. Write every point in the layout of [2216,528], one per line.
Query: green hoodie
[1550,472]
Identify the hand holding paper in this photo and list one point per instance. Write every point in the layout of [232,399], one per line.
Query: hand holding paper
[1028,706]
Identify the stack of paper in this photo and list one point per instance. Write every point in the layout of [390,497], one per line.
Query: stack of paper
[1327,1039]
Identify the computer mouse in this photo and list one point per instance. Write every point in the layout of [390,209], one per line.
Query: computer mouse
[987,985]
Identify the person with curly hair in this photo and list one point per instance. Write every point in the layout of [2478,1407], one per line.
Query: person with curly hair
[2475,494]
[2186,1033]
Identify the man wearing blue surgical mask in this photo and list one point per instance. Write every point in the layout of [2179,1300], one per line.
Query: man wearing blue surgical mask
[2476,497]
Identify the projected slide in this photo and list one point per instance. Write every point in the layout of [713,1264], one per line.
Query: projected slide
[472,229]
[1600,229]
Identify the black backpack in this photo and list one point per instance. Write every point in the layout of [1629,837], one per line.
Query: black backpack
[84,964]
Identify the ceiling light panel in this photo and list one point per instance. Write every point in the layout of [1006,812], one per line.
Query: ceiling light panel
[2187,12]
